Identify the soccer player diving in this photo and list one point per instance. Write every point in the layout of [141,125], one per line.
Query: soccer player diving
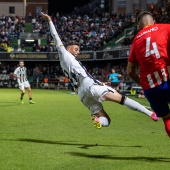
[150,52]
[90,91]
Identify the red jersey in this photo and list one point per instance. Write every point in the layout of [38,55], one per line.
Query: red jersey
[150,51]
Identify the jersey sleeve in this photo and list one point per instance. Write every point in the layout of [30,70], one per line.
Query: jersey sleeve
[132,56]
[25,70]
[16,71]
[167,27]
[58,42]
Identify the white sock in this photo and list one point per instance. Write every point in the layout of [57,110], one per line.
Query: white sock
[136,106]
[104,121]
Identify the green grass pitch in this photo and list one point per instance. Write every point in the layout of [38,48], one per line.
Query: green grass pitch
[57,134]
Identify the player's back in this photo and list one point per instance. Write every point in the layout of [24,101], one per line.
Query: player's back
[150,50]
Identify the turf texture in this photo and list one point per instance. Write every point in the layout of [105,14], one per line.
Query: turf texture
[57,134]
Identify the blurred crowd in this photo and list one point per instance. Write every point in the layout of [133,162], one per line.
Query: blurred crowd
[161,15]
[92,32]
[10,28]
[53,72]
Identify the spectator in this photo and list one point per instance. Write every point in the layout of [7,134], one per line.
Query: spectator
[133,92]
[91,32]
[30,16]
[141,94]
[62,81]
[57,82]
[66,80]
[46,85]
[22,48]
[10,27]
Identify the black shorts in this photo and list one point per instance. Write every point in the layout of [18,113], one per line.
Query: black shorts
[114,84]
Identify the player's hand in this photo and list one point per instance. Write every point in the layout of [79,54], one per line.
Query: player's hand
[46,17]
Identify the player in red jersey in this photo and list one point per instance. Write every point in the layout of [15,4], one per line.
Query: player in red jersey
[149,51]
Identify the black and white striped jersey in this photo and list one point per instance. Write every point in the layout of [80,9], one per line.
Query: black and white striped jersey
[72,68]
[21,72]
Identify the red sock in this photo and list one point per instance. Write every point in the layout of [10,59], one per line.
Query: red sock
[167,126]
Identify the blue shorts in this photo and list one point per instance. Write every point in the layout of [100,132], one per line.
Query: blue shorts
[159,97]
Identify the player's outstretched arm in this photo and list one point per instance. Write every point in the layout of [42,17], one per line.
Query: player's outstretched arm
[53,31]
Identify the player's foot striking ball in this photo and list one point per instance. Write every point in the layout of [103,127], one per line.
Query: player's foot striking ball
[96,122]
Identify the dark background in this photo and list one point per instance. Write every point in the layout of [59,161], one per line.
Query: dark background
[64,6]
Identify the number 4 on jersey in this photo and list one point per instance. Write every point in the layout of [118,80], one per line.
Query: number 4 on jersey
[149,51]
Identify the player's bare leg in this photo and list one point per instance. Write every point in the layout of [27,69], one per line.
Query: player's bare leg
[30,95]
[166,120]
[118,98]
[22,95]
[101,119]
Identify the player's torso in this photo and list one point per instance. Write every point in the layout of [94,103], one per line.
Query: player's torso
[21,71]
[72,68]
[150,47]
[114,77]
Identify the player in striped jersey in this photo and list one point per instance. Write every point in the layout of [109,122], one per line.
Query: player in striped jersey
[90,91]
[149,50]
[21,75]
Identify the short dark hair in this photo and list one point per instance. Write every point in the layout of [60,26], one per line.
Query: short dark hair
[72,43]
[142,14]
[21,61]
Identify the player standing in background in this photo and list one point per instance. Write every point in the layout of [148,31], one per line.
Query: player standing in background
[90,91]
[114,79]
[149,50]
[21,75]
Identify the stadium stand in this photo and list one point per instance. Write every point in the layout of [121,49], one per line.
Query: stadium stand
[91,32]
[10,28]
[160,15]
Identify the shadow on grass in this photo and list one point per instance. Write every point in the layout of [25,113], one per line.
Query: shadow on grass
[112,157]
[7,104]
[70,143]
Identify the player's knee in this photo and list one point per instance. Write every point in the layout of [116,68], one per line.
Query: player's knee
[23,91]
[29,89]
[123,99]
[104,121]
